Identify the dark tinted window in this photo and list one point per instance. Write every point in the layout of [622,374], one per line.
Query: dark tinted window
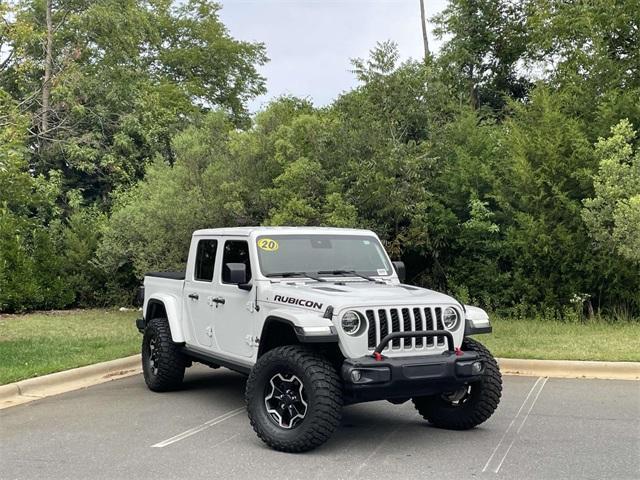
[205,260]
[235,251]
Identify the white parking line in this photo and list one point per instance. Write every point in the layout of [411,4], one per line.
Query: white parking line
[498,460]
[382,443]
[199,428]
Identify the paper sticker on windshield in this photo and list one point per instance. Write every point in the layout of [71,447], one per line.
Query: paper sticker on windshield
[382,271]
[267,244]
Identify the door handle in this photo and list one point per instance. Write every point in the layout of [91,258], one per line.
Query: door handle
[219,300]
[195,296]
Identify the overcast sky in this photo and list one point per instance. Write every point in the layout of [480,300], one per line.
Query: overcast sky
[310,42]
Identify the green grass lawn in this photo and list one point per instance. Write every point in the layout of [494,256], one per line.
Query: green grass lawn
[552,340]
[40,343]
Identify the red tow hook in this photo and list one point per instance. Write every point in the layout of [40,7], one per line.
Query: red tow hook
[459,352]
[377,356]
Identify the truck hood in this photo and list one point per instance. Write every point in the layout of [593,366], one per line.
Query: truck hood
[319,295]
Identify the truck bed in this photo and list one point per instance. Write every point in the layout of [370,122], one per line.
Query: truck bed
[158,284]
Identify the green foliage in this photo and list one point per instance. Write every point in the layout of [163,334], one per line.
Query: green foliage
[30,269]
[78,240]
[542,178]
[589,52]
[151,224]
[127,76]
[613,215]
[488,38]
[477,166]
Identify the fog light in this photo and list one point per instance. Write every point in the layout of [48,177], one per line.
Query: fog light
[356,376]
[476,368]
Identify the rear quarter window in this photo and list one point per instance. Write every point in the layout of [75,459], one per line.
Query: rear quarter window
[205,260]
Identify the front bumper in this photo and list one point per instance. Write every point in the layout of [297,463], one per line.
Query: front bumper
[407,377]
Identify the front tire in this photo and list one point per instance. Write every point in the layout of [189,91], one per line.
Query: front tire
[163,364]
[469,406]
[294,399]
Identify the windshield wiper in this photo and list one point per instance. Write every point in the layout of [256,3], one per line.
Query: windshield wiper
[348,272]
[296,274]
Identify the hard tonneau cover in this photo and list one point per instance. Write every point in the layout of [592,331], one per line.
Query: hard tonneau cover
[171,275]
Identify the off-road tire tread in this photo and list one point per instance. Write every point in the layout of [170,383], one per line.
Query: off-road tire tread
[433,408]
[324,379]
[172,362]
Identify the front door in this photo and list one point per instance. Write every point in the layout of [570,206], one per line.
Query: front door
[234,319]
[198,291]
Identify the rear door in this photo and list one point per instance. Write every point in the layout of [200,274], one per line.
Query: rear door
[198,292]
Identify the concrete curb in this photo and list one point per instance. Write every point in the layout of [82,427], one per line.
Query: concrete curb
[571,369]
[40,387]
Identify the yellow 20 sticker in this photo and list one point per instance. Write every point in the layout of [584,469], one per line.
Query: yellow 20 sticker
[268,244]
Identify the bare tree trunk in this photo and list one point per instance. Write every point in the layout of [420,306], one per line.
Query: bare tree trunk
[46,82]
[425,39]
[473,90]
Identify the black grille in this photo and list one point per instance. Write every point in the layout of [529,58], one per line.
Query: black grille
[372,331]
[417,314]
[429,317]
[395,327]
[384,325]
[406,323]
[384,321]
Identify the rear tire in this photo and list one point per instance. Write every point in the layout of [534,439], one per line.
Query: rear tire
[163,363]
[468,408]
[293,376]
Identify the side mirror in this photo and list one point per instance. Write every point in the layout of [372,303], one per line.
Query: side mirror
[235,273]
[400,270]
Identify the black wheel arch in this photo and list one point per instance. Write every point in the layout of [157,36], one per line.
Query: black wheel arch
[155,309]
[278,332]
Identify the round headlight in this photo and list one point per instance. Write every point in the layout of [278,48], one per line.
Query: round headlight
[351,322]
[450,318]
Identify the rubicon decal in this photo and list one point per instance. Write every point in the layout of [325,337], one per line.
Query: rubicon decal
[298,301]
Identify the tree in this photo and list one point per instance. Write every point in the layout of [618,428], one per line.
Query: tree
[30,267]
[48,65]
[487,39]
[589,51]
[117,79]
[425,38]
[613,214]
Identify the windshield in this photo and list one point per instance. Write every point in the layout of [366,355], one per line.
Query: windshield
[327,254]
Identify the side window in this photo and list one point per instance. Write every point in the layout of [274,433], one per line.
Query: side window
[235,251]
[205,260]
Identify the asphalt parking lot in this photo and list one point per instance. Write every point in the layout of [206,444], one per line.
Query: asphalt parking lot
[543,429]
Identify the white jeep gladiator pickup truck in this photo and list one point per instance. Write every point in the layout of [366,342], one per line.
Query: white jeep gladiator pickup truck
[317,318]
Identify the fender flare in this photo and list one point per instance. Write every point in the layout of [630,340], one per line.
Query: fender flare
[476,321]
[299,320]
[171,306]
